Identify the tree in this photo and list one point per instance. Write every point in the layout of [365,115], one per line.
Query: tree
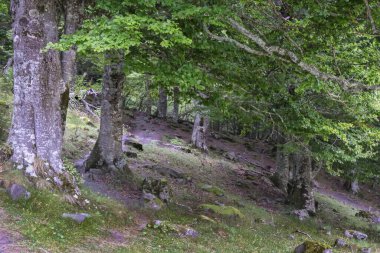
[107,153]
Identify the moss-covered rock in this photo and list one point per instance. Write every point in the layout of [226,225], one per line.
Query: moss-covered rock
[212,189]
[227,211]
[168,228]
[313,247]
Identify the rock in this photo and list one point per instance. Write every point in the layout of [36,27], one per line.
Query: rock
[152,202]
[157,187]
[313,247]
[135,144]
[365,250]
[355,234]
[77,217]
[231,156]
[292,237]
[130,154]
[167,227]
[17,192]
[376,220]
[227,211]
[302,214]
[340,243]
[213,189]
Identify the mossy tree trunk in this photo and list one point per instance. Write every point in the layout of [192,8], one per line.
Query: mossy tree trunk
[176,100]
[162,106]
[38,85]
[198,137]
[148,99]
[300,189]
[107,153]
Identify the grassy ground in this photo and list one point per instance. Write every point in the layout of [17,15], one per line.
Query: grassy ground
[260,230]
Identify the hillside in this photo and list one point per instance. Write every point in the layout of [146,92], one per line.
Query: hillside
[255,212]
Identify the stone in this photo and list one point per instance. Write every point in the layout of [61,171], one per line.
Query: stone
[157,187]
[355,234]
[152,202]
[313,247]
[179,230]
[340,243]
[365,250]
[376,220]
[130,154]
[231,156]
[77,217]
[135,144]
[18,192]
[302,214]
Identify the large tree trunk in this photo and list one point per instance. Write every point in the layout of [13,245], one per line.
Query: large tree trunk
[198,138]
[107,153]
[38,86]
[73,15]
[162,106]
[300,190]
[176,94]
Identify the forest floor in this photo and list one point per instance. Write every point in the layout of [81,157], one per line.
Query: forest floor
[237,170]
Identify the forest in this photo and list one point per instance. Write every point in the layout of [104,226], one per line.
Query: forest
[190,126]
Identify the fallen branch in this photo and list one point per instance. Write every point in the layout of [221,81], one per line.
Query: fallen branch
[304,233]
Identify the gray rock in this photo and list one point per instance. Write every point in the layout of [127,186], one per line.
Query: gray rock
[152,202]
[189,232]
[231,156]
[365,250]
[317,248]
[17,192]
[302,214]
[77,217]
[130,154]
[300,249]
[292,237]
[340,243]
[376,220]
[355,234]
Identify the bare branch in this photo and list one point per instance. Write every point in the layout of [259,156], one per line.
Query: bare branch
[237,43]
[369,15]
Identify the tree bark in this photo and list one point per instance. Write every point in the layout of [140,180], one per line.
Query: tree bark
[38,86]
[73,15]
[107,152]
[162,106]
[300,190]
[198,138]
[281,176]
[176,94]
[148,101]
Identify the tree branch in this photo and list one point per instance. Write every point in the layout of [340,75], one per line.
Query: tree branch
[237,43]
[285,55]
[369,15]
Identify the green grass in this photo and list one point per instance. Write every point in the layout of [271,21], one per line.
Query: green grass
[40,220]
[257,230]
